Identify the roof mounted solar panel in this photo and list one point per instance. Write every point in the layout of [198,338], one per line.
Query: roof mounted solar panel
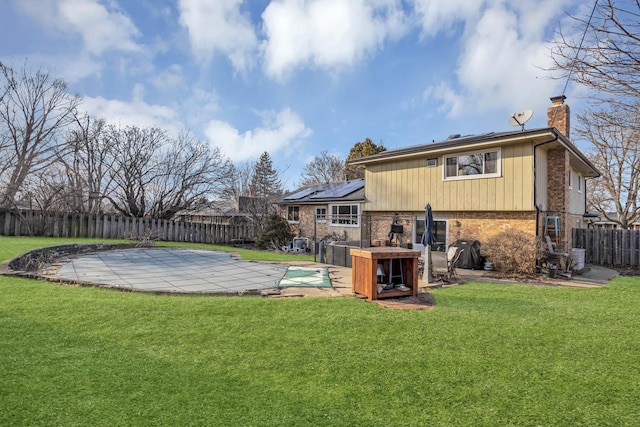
[300,194]
[337,190]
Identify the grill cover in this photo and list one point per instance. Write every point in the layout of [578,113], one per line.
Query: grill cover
[470,258]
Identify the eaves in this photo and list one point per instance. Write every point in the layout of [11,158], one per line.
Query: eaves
[472,142]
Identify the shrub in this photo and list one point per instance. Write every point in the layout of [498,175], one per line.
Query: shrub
[276,234]
[512,252]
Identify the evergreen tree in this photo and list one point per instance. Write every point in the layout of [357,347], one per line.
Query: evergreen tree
[265,181]
[277,233]
[359,150]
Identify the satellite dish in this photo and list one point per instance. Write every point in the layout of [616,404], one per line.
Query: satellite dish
[519,119]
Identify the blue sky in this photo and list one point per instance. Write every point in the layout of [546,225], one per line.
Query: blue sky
[297,77]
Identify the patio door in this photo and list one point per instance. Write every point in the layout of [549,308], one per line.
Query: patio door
[439,231]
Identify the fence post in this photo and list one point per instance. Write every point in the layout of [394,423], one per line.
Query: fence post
[7,223]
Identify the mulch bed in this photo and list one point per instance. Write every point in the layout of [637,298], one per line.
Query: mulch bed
[420,302]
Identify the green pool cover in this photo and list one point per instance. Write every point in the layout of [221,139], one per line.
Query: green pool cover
[307,277]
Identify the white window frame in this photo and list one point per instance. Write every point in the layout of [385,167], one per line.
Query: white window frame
[580,183]
[321,218]
[290,211]
[495,174]
[570,179]
[344,220]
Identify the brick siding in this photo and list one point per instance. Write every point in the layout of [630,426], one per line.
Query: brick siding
[461,225]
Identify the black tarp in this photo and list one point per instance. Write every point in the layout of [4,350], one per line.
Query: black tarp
[470,258]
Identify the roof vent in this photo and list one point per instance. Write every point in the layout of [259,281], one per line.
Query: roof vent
[454,136]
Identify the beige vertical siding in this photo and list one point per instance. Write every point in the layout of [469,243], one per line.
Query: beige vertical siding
[542,179]
[407,185]
[576,198]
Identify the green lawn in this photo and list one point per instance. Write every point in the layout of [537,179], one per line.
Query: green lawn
[487,355]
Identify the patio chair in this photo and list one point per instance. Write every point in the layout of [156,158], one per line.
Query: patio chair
[555,257]
[453,255]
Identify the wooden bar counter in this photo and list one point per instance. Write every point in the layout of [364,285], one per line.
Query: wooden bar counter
[364,269]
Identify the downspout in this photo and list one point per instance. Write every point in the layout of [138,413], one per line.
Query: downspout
[535,180]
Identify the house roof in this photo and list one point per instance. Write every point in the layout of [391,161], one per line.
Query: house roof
[604,219]
[218,208]
[329,192]
[456,142]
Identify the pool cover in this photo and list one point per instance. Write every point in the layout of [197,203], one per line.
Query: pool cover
[306,277]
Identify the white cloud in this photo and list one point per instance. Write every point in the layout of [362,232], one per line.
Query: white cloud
[219,25]
[326,33]
[101,27]
[170,78]
[452,103]
[440,16]
[502,60]
[279,131]
[135,112]
[198,108]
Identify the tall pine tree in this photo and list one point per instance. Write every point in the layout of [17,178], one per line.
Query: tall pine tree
[265,182]
[265,188]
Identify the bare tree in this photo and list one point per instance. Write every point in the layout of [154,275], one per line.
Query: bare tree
[6,155]
[604,57]
[322,169]
[239,182]
[607,60]
[189,173]
[34,108]
[616,154]
[85,156]
[132,166]
[44,192]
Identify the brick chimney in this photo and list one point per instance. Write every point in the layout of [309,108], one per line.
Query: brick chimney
[558,115]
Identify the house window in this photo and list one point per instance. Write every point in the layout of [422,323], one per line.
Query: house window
[321,214]
[472,165]
[293,213]
[439,233]
[570,179]
[579,183]
[344,215]
[431,163]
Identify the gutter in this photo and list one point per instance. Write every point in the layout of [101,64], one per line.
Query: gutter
[466,142]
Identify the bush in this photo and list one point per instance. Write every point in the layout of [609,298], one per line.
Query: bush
[512,252]
[276,234]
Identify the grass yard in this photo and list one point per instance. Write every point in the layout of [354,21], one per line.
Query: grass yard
[488,355]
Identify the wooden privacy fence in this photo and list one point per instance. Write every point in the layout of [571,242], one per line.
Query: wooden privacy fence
[34,223]
[608,246]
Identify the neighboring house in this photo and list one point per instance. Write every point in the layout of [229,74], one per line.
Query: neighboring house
[326,209]
[481,185]
[602,222]
[221,213]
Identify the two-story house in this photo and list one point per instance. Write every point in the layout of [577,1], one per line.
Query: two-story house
[480,185]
